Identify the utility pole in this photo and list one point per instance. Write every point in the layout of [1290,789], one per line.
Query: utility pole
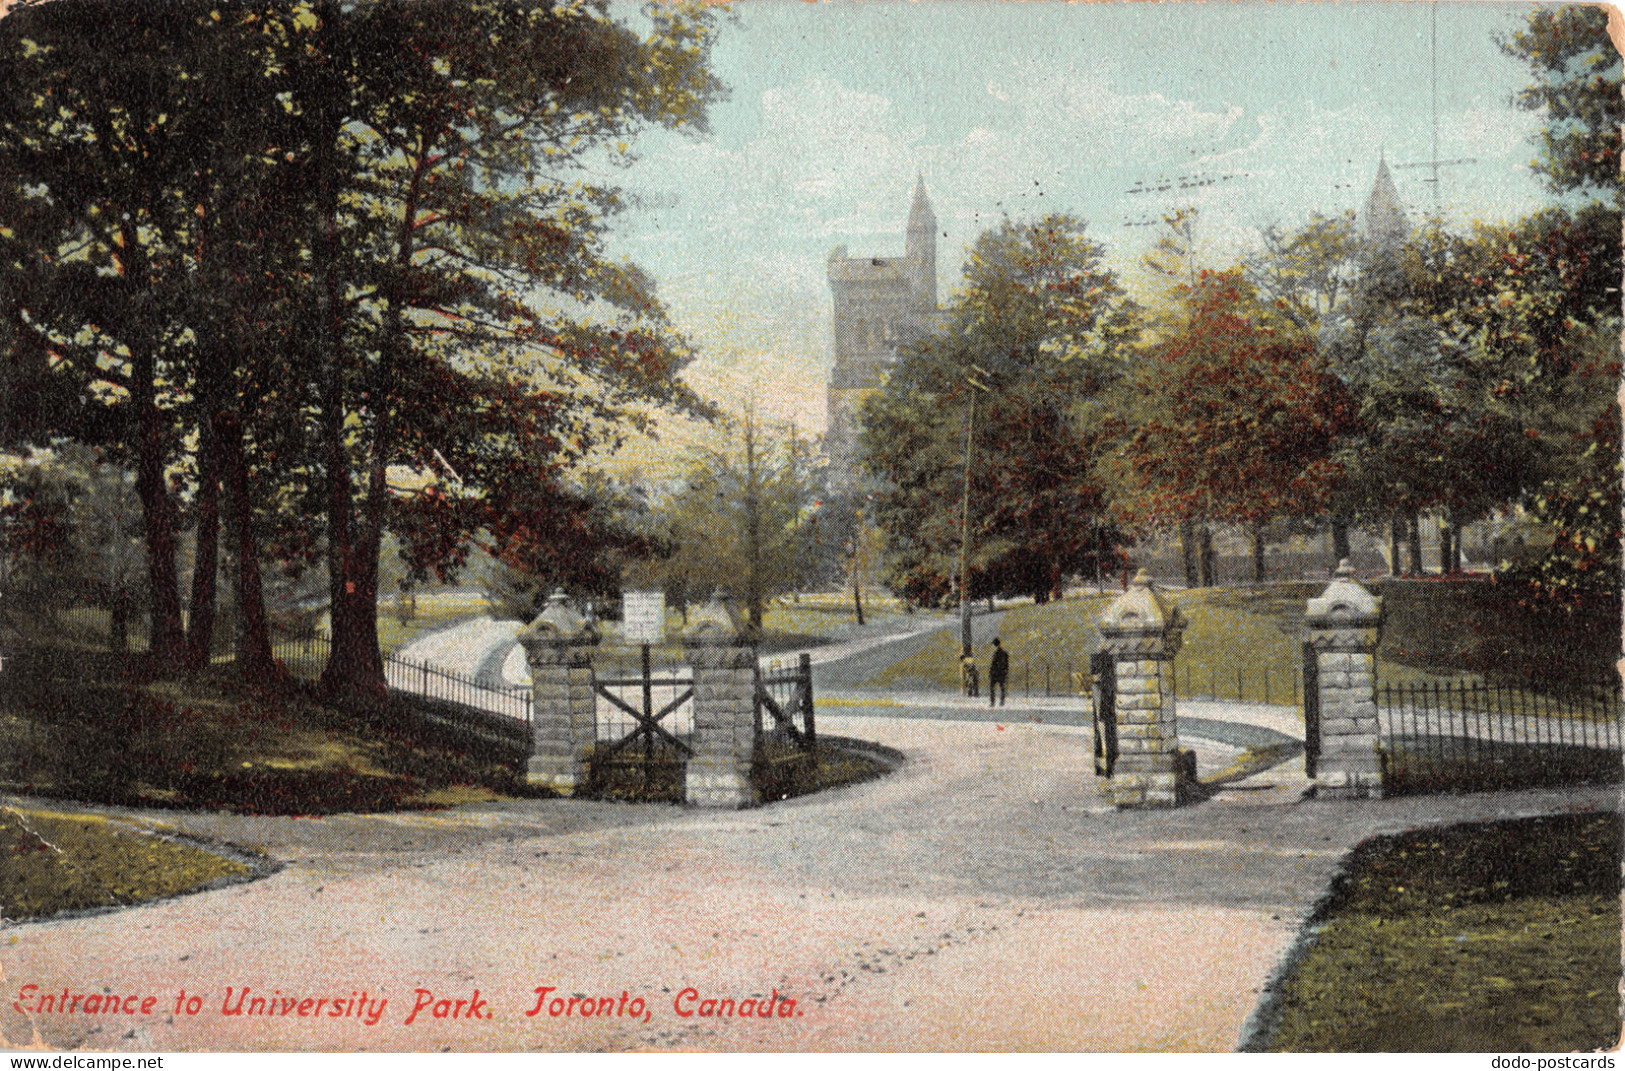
[975,385]
[1435,163]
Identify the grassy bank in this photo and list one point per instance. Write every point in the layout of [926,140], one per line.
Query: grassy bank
[55,862]
[1245,643]
[1499,938]
[75,725]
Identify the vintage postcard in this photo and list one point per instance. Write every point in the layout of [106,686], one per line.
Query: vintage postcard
[589,526]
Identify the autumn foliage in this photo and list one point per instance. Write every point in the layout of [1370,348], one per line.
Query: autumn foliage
[1235,416]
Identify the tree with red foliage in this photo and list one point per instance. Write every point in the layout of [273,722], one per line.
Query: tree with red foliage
[1231,417]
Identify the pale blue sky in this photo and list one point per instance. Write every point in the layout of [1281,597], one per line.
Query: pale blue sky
[1027,108]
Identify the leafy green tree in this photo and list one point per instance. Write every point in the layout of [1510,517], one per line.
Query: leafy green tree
[1577,86]
[1045,327]
[99,126]
[478,258]
[1308,274]
[1578,77]
[71,528]
[379,251]
[739,520]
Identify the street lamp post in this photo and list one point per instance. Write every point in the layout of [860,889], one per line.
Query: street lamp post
[975,385]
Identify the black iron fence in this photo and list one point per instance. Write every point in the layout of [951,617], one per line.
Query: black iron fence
[1475,736]
[305,657]
[1242,684]
[1046,678]
[1239,683]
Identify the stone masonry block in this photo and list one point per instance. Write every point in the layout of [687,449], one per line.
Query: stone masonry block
[1331,747]
[1145,762]
[1149,730]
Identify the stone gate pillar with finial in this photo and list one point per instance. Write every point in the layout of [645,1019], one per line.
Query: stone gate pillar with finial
[559,646]
[1143,634]
[724,738]
[1344,624]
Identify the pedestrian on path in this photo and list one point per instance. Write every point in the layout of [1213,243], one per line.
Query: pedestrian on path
[968,677]
[998,671]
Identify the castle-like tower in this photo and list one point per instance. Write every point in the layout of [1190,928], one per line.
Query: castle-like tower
[881,303]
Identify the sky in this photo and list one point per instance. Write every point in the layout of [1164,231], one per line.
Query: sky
[1022,109]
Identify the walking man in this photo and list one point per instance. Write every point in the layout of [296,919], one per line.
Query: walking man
[998,671]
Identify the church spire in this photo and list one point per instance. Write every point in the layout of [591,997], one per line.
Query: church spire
[920,252]
[1384,216]
[920,216]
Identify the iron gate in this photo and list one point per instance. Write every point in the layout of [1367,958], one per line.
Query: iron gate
[1311,710]
[637,754]
[784,761]
[1103,668]
[785,694]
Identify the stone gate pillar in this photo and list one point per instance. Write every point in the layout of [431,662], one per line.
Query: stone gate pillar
[1343,625]
[564,726]
[1142,635]
[724,738]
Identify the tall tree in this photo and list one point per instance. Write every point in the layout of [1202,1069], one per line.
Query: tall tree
[476,261]
[285,239]
[1232,416]
[1577,85]
[1044,326]
[739,520]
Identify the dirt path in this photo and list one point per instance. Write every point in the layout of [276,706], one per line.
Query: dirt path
[980,897]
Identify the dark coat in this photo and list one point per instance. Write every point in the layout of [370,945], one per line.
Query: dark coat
[999,669]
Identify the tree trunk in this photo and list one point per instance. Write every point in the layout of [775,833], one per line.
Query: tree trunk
[206,557]
[158,517]
[857,601]
[1447,551]
[1458,560]
[1414,531]
[354,666]
[255,661]
[1187,549]
[1395,527]
[1258,553]
[1340,541]
[118,638]
[1206,539]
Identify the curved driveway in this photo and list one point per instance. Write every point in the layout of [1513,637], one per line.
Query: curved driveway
[980,897]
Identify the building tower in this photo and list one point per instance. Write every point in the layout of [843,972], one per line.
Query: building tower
[920,251]
[881,303]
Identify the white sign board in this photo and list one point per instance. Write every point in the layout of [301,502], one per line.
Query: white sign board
[643,616]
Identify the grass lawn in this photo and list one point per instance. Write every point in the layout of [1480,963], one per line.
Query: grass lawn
[73,726]
[434,611]
[1498,938]
[63,862]
[816,620]
[1246,643]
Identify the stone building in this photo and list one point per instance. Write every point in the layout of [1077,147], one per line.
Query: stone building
[881,303]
